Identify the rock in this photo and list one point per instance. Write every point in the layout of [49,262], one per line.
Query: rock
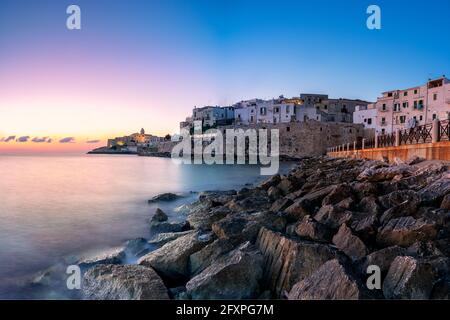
[274,193]
[350,244]
[369,204]
[299,209]
[203,258]
[381,258]
[204,219]
[346,204]
[408,278]
[405,231]
[270,182]
[256,201]
[171,260]
[159,216]
[287,261]
[165,227]
[423,249]
[364,189]
[398,161]
[136,247]
[115,256]
[332,281]
[445,204]
[281,204]
[435,192]
[384,173]
[218,197]
[164,197]
[310,229]
[365,226]
[285,186]
[441,290]
[162,238]
[414,160]
[332,216]
[123,282]
[245,227]
[236,276]
[339,193]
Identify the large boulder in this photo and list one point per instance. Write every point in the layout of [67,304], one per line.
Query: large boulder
[381,258]
[383,173]
[350,244]
[405,231]
[114,256]
[435,192]
[162,238]
[270,182]
[171,260]
[235,276]
[333,216]
[123,282]
[245,227]
[204,219]
[287,261]
[408,278]
[200,260]
[337,194]
[164,197]
[159,216]
[332,281]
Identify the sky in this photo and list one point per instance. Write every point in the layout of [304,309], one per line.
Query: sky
[146,64]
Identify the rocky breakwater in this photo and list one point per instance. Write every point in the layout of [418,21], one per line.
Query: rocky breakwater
[311,234]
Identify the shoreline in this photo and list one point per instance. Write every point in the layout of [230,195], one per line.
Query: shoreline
[339,214]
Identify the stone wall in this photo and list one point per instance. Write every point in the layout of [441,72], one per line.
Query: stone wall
[311,138]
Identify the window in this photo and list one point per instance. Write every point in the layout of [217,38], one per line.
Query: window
[262,110]
[415,104]
[383,120]
[396,106]
[415,91]
[365,120]
[405,105]
[402,119]
[369,121]
[390,94]
[435,96]
[383,131]
[287,109]
[325,107]
[420,118]
[405,93]
[434,116]
[288,129]
[384,107]
[276,110]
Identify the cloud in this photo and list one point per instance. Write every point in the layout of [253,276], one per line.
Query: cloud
[67,140]
[39,140]
[9,138]
[93,141]
[23,139]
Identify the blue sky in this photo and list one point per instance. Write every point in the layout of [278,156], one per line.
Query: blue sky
[163,57]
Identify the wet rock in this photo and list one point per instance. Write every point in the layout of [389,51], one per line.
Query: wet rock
[350,244]
[115,256]
[136,247]
[256,201]
[165,197]
[408,278]
[218,197]
[123,282]
[203,258]
[162,238]
[165,226]
[310,229]
[159,216]
[287,261]
[235,276]
[171,260]
[332,281]
[405,231]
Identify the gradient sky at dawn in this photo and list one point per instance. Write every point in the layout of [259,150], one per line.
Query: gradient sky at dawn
[147,63]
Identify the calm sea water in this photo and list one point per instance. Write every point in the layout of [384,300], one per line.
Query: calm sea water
[56,206]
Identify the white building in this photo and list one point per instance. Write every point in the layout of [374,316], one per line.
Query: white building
[366,115]
[407,108]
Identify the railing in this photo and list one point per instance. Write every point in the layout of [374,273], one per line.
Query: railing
[428,133]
